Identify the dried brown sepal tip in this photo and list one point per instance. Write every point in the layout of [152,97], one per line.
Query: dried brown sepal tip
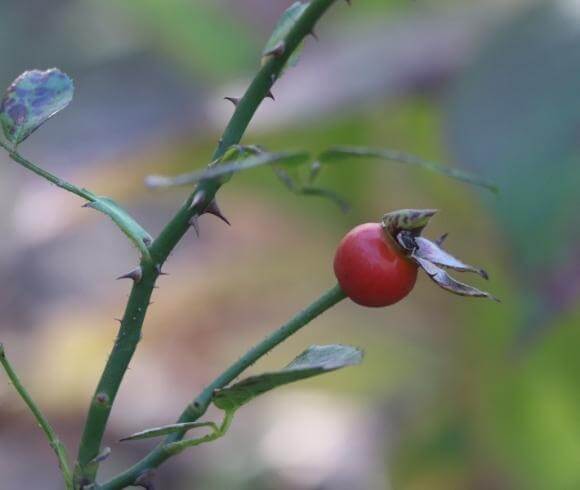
[405,226]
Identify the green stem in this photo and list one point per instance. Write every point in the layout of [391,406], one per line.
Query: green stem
[196,409]
[63,184]
[168,239]
[100,408]
[177,447]
[53,440]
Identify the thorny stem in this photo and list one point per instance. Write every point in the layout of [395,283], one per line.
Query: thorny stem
[53,440]
[130,331]
[196,409]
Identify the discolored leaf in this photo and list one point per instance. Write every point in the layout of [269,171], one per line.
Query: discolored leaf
[168,429]
[32,99]
[317,359]
[133,230]
[339,153]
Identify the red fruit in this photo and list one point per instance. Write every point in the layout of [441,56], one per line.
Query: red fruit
[371,269]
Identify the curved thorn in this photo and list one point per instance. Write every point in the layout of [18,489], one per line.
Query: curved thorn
[233,100]
[270,95]
[135,275]
[213,208]
[314,35]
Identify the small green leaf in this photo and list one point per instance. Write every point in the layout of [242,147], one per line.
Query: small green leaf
[220,170]
[169,429]
[32,99]
[125,222]
[285,24]
[317,359]
[344,152]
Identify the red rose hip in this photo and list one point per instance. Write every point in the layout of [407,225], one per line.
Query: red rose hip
[371,269]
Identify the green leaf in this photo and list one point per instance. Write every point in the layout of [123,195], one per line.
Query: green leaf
[317,359]
[339,153]
[285,24]
[220,170]
[168,429]
[32,99]
[134,231]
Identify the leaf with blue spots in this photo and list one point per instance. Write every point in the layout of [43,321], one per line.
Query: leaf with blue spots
[32,99]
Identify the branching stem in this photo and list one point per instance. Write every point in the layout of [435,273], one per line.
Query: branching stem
[196,409]
[131,325]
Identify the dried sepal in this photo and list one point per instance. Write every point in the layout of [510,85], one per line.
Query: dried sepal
[445,281]
[411,220]
[431,251]
[404,228]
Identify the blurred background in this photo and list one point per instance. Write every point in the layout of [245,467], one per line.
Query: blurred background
[454,393]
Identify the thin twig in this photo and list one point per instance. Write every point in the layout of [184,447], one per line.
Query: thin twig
[53,440]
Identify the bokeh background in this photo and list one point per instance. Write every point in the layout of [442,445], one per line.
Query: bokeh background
[454,393]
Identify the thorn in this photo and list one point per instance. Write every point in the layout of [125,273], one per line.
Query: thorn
[147,240]
[145,480]
[194,223]
[277,50]
[313,34]
[233,100]
[118,320]
[270,95]
[198,199]
[159,271]
[136,275]
[213,208]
